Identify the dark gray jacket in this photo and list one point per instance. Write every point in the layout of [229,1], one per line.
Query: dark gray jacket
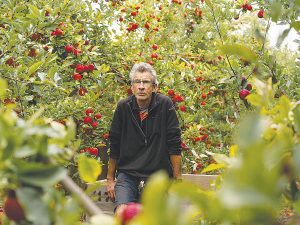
[141,151]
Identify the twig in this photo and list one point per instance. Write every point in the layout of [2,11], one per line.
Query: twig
[218,31]
[236,107]
[91,208]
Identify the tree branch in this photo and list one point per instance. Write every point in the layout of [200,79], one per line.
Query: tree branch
[91,208]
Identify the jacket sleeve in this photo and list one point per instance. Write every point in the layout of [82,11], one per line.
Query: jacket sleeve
[173,131]
[115,133]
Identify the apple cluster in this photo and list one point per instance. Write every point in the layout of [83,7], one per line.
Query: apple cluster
[88,119]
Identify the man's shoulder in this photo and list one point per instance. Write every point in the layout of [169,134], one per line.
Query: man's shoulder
[124,101]
[162,98]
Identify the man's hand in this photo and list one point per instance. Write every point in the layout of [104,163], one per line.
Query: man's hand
[110,186]
[110,179]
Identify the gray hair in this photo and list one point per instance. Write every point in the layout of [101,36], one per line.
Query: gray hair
[143,67]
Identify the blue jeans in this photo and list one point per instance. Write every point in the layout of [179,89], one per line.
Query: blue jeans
[126,189]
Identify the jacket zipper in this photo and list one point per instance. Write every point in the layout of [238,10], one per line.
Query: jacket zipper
[136,123]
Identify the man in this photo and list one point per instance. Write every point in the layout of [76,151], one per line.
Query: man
[145,137]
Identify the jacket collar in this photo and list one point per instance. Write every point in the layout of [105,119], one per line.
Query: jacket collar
[154,102]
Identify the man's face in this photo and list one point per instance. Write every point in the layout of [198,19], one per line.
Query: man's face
[143,91]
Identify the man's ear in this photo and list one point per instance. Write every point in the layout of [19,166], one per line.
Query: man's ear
[155,88]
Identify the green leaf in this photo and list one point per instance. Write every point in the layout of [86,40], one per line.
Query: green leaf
[284,110]
[51,58]
[259,35]
[297,118]
[250,130]
[41,25]
[24,151]
[285,135]
[34,67]
[34,207]
[40,175]
[275,11]
[59,128]
[222,159]
[193,192]
[208,3]
[154,198]
[282,37]
[233,151]
[213,167]
[73,92]
[34,10]
[235,64]
[3,85]
[296,157]
[241,51]
[296,25]
[89,169]
[52,71]
[94,187]
[284,106]
[35,116]
[254,99]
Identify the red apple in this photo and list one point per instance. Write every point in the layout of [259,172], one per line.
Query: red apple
[249,87]
[86,42]
[94,151]
[134,13]
[243,93]
[82,91]
[87,119]
[121,19]
[58,32]
[260,14]
[88,111]
[98,116]
[77,51]
[146,25]
[91,67]
[94,124]
[176,97]
[182,108]
[34,37]
[131,211]
[171,92]
[77,76]
[204,96]
[135,26]
[202,103]
[61,24]
[154,55]
[154,46]
[79,68]
[13,209]
[69,48]
[86,68]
